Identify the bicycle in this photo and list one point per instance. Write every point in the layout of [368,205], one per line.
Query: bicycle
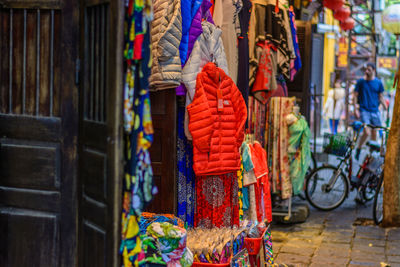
[377,208]
[328,186]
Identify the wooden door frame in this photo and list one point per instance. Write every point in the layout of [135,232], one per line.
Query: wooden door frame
[114,115]
[68,122]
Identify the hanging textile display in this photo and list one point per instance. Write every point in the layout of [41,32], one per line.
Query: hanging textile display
[198,11]
[299,152]
[270,23]
[297,61]
[217,203]
[240,190]
[208,48]
[279,108]
[265,81]
[226,18]
[216,123]
[186,182]
[166,35]
[138,184]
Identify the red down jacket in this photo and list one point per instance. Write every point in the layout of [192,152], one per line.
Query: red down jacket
[217,116]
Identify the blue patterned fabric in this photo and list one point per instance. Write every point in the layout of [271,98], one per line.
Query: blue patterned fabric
[186,191]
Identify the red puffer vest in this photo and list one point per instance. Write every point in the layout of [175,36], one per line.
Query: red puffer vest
[217,116]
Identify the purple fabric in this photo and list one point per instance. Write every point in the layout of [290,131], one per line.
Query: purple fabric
[196,29]
[194,33]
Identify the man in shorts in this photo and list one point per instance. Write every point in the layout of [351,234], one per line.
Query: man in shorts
[367,97]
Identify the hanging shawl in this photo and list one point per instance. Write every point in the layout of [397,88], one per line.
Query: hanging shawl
[299,153]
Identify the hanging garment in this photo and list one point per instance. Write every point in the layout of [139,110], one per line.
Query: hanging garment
[248,176]
[130,239]
[279,108]
[217,117]
[259,158]
[208,48]
[188,10]
[265,81]
[279,34]
[267,23]
[299,153]
[194,32]
[240,191]
[226,17]
[166,35]
[139,173]
[335,104]
[253,208]
[262,188]
[217,201]
[297,61]
[186,192]
[138,189]
[203,13]
[243,47]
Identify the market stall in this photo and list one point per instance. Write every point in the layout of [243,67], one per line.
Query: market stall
[242,147]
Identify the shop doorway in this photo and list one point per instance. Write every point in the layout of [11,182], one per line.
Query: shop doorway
[61,168]
[100,132]
[163,151]
[38,133]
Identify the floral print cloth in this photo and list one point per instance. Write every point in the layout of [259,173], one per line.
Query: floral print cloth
[217,201]
[279,108]
[172,243]
[240,190]
[138,184]
[130,238]
[150,251]
[186,192]
[299,153]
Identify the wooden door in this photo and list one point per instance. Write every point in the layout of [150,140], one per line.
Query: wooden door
[163,151]
[38,132]
[100,134]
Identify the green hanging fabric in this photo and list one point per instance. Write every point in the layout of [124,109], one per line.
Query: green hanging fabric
[299,153]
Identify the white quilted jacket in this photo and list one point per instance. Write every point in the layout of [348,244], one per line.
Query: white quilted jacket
[166,35]
[207,48]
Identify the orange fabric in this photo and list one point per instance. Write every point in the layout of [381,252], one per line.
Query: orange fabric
[263,190]
[217,132]
[259,159]
[212,7]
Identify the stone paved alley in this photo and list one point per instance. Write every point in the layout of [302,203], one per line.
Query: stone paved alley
[334,239]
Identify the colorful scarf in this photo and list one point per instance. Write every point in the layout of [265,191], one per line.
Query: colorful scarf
[172,243]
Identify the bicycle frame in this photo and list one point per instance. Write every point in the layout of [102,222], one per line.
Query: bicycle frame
[346,160]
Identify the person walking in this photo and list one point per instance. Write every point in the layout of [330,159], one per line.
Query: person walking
[367,97]
[334,106]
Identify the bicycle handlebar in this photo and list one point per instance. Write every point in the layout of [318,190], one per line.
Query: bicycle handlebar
[377,127]
[357,125]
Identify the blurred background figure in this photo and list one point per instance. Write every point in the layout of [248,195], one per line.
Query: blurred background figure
[334,106]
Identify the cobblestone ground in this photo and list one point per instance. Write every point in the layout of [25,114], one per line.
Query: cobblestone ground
[332,239]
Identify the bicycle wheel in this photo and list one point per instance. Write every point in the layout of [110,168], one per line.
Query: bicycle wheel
[377,210]
[313,166]
[320,194]
[369,190]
